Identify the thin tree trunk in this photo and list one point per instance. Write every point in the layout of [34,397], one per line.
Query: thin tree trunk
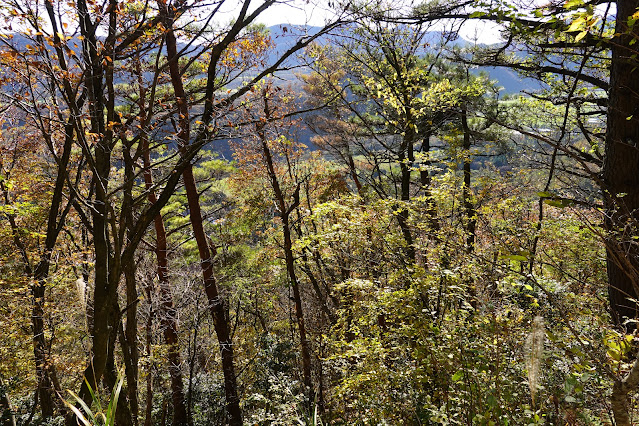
[470,222]
[619,400]
[216,305]
[425,181]
[129,335]
[168,316]
[129,341]
[406,159]
[285,212]
[148,412]
[45,370]
[299,313]
[123,415]
[105,269]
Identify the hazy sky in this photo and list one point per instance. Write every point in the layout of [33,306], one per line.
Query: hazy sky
[299,12]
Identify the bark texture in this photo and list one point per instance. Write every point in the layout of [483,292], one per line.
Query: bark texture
[621,169]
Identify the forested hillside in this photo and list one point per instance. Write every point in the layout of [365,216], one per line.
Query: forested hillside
[207,221]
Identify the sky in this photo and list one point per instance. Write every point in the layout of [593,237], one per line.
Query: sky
[300,12]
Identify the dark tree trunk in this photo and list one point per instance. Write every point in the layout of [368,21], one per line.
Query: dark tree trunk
[168,315]
[123,415]
[621,169]
[470,220]
[106,269]
[45,387]
[406,159]
[129,341]
[216,305]
[299,313]
[168,322]
[129,334]
[148,412]
[7,416]
[45,370]
[425,181]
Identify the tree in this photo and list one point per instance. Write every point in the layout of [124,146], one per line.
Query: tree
[88,88]
[575,42]
[273,143]
[168,317]
[59,142]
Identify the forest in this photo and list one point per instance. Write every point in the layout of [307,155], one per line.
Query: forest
[205,220]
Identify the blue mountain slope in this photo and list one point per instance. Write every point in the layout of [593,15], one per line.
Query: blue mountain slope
[285,36]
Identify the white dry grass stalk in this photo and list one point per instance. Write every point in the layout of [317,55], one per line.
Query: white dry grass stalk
[534,353]
[81,288]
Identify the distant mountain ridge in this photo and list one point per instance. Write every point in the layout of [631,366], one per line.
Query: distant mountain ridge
[285,36]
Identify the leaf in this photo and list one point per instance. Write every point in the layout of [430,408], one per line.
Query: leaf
[577,25]
[573,4]
[559,202]
[78,413]
[113,403]
[581,35]
[85,407]
[545,194]
[457,376]
[517,257]
[93,397]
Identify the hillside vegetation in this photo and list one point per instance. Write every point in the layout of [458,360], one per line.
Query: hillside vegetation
[205,221]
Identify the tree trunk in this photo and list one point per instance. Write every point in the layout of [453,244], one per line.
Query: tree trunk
[299,313]
[168,322]
[45,370]
[148,412]
[45,388]
[406,159]
[470,222]
[425,181]
[621,169]
[168,316]
[216,305]
[7,417]
[129,341]
[621,191]
[105,289]
[123,415]
[285,212]
[619,400]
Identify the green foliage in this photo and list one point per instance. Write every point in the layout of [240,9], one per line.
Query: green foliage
[511,329]
[99,417]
